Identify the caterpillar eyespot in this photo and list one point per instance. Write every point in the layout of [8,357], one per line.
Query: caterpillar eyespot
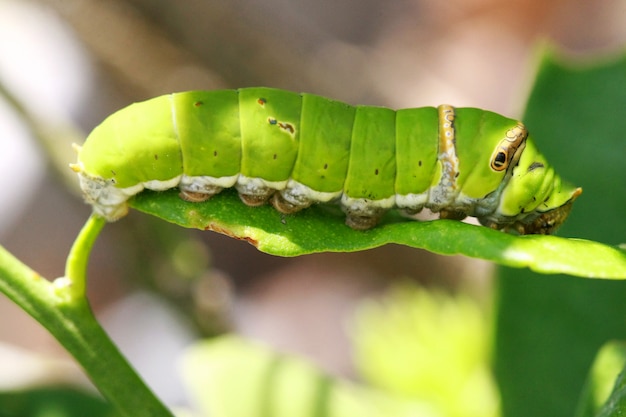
[295,150]
[499,161]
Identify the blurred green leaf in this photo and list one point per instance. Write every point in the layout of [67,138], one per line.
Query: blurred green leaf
[616,403]
[52,402]
[430,346]
[231,377]
[550,329]
[321,229]
[603,385]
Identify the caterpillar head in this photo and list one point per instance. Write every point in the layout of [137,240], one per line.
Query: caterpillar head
[535,200]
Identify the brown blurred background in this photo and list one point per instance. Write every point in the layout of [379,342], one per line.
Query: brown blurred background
[70,63]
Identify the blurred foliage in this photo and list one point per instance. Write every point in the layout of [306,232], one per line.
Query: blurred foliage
[428,346]
[550,328]
[233,377]
[601,382]
[53,402]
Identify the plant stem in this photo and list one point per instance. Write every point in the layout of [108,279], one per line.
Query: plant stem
[74,283]
[114,377]
[66,313]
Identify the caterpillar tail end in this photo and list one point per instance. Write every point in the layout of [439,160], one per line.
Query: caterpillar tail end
[107,200]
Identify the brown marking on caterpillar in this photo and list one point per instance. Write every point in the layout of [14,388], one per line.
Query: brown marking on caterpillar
[261,101]
[288,127]
[198,104]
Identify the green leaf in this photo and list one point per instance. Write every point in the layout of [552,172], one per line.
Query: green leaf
[321,229]
[549,330]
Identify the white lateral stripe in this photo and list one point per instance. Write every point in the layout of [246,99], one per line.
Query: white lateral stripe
[200,182]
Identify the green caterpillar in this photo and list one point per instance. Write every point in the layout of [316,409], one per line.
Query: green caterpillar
[298,149]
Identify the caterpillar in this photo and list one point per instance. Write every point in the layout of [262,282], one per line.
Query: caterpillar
[297,149]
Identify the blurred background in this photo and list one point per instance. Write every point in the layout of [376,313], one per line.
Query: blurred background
[66,64]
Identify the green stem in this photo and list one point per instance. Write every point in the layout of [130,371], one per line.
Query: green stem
[66,313]
[74,283]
